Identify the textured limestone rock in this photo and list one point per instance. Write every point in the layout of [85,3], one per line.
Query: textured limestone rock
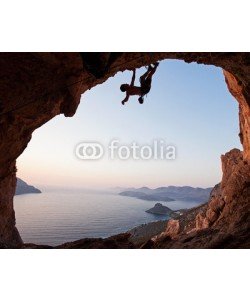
[225,220]
[8,233]
[173,228]
[201,222]
[242,95]
[35,87]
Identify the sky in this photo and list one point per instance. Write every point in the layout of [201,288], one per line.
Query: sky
[188,106]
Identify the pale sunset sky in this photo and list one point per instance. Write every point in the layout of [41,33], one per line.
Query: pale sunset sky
[189,106]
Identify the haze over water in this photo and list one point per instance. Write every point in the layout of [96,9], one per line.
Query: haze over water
[62,215]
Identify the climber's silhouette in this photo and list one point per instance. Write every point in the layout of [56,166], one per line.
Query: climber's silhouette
[145,81]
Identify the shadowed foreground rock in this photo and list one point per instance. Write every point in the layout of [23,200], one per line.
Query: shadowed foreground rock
[120,241]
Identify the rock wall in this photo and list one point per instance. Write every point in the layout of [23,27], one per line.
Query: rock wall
[8,233]
[222,223]
[229,201]
[237,90]
[35,87]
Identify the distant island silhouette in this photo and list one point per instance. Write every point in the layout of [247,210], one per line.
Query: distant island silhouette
[169,193]
[23,188]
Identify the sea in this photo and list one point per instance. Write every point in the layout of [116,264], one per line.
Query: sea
[61,215]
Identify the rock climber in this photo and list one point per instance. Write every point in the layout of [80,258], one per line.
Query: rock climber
[145,81]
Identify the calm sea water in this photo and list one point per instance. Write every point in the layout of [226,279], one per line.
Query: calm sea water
[58,216]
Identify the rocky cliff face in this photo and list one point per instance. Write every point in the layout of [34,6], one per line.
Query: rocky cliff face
[224,221]
[35,87]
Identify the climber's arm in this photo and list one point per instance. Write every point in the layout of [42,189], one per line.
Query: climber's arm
[133,79]
[126,99]
[152,71]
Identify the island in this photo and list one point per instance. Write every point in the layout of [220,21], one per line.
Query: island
[144,196]
[160,209]
[169,193]
[23,188]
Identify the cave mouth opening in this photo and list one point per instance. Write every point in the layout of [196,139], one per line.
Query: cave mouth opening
[43,151]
